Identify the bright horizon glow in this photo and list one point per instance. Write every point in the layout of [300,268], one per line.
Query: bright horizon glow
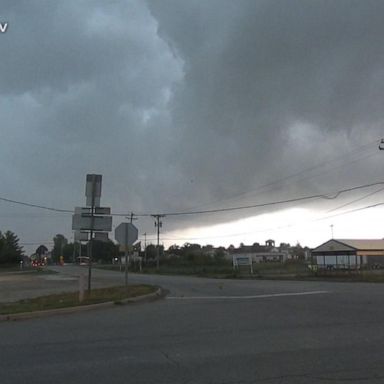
[295,225]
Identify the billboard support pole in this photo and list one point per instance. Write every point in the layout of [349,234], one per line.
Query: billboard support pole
[91,235]
[126,256]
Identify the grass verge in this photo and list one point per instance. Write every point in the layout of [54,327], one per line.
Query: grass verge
[263,271]
[213,271]
[65,300]
[27,270]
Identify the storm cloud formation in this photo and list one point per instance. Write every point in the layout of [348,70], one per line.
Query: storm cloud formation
[185,104]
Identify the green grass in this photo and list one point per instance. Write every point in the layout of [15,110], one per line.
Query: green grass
[12,268]
[292,270]
[224,271]
[39,271]
[218,271]
[368,276]
[16,269]
[64,300]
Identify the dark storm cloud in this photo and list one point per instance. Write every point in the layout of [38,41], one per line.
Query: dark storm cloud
[257,69]
[85,79]
[84,88]
[186,104]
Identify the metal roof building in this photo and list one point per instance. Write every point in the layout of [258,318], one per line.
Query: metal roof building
[349,253]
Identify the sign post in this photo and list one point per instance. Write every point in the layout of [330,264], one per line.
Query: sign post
[92,219]
[90,193]
[126,234]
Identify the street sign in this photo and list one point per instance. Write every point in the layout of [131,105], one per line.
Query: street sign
[93,190]
[126,233]
[100,223]
[102,211]
[82,210]
[87,211]
[101,236]
[239,260]
[81,236]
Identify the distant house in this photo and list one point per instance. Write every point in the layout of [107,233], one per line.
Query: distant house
[261,253]
[349,253]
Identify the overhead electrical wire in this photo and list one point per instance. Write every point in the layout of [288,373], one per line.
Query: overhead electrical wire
[293,224]
[357,150]
[271,228]
[350,211]
[35,205]
[355,200]
[259,205]
[330,196]
[361,148]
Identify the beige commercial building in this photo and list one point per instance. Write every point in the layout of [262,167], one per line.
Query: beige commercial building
[349,253]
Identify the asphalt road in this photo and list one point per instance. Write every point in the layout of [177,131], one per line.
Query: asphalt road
[207,331]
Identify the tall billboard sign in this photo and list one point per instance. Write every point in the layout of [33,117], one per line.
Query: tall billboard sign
[92,222]
[93,190]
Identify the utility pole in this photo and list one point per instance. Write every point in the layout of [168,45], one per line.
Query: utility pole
[126,255]
[131,217]
[158,225]
[332,231]
[145,247]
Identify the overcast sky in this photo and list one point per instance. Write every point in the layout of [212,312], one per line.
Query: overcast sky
[191,105]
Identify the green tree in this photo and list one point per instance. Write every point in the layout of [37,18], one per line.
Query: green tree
[10,250]
[59,242]
[68,252]
[151,251]
[2,246]
[220,255]
[104,251]
[298,252]
[174,250]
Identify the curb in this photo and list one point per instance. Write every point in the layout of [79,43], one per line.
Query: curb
[158,294]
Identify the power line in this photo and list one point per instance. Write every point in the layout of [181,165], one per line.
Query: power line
[35,205]
[354,151]
[350,211]
[356,200]
[229,209]
[271,228]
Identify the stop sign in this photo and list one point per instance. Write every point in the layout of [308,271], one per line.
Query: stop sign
[126,234]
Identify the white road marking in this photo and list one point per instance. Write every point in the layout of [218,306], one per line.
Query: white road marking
[246,297]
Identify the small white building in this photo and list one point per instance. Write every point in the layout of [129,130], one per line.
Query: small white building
[349,253]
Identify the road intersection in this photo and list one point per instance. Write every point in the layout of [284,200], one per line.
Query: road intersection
[207,331]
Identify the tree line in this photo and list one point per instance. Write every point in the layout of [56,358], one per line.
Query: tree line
[12,253]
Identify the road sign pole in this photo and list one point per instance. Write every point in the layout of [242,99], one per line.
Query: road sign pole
[91,235]
[126,256]
[126,235]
